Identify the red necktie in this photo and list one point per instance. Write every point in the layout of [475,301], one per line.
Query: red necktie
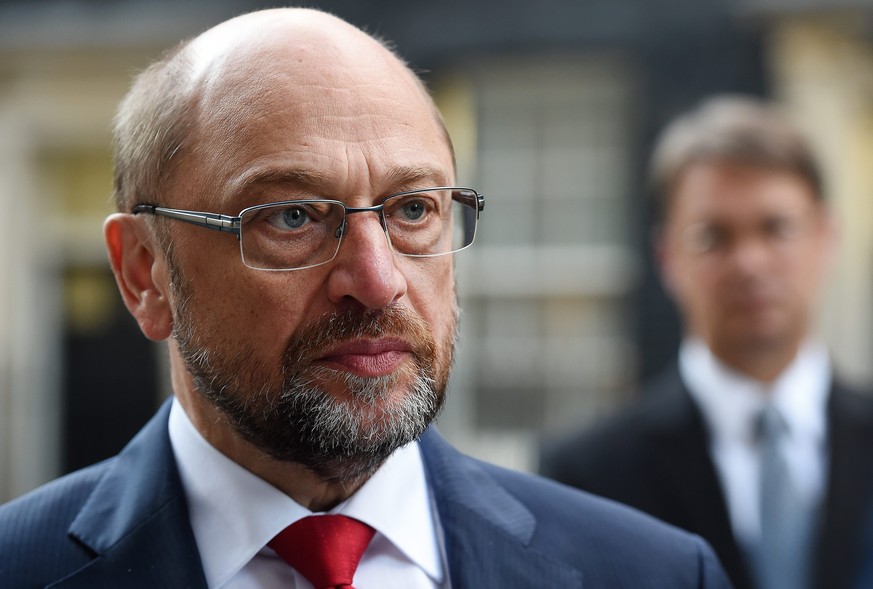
[325,549]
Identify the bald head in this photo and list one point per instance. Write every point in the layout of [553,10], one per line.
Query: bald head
[287,63]
[313,41]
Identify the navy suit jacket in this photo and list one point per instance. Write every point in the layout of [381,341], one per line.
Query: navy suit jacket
[124,523]
[654,456]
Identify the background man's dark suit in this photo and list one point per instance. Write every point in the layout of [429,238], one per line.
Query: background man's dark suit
[655,457]
[124,523]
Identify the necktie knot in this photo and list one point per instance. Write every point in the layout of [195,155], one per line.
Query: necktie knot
[770,426]
[326,549]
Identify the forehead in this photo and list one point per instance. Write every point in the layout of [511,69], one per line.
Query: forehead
[728,190]
[328,114]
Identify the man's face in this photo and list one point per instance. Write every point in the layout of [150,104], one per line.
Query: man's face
[743,252]
[335,366]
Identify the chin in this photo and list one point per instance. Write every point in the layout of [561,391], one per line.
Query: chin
[764,339]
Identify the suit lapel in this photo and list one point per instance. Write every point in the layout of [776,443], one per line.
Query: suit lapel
[136,521]
[487,531]
[850,487]
[682,468]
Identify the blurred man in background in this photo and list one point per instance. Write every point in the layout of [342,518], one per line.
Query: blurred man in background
[311,337]
[748,440]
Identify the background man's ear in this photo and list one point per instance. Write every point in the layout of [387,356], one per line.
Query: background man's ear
[141,274]
[661,254]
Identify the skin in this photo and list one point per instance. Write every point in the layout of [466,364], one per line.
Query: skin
[292,103]
[751,297]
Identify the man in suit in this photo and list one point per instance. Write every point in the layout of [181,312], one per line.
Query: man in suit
[309,349]
[744,241]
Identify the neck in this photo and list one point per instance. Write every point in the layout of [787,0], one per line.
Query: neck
[763,363]
[298,482]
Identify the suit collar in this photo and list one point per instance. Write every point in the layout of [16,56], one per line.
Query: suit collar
[683,474]
[488,532]
[682,465]
[136,523]
[136,520]
[849,490]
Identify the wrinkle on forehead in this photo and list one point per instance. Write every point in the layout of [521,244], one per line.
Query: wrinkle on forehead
[281,68]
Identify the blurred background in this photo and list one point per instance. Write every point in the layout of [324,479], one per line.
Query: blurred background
[553,106]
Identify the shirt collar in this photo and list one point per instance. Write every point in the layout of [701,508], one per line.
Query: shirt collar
[234,513]
[730,400]
[396,502]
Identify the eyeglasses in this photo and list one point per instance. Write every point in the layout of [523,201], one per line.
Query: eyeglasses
[299,234]
[776,232]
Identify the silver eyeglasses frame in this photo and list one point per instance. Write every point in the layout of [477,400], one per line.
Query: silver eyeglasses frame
[233,224]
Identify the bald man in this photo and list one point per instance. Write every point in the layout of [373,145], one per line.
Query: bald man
[310,337]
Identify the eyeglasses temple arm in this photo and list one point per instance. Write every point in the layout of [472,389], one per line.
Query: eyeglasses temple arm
[475,200]
[214,221]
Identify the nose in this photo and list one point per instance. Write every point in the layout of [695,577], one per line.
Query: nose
[751,255]
[365,269]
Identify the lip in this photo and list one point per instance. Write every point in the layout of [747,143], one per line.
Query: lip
[752,301]
[368,357]
[752,311]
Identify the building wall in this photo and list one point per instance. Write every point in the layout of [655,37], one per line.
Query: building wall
[823,72]
[55,111]
[547,342]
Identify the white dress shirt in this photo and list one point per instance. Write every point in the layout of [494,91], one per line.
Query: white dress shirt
[730,403]
[234,514]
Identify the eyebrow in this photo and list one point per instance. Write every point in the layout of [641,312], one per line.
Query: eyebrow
[299,177]
[399,178]
[406,176]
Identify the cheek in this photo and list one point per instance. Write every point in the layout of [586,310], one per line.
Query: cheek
[689,280]
[431,290]
[807,275]
[697,294]
[266,310]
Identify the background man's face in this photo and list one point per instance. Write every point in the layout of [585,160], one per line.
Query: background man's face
[743,252]
[366,338]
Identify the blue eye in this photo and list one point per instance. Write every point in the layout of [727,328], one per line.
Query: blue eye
[291,218]
[413,210]
[295,217]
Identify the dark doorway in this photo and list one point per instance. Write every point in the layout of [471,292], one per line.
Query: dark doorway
[109,382]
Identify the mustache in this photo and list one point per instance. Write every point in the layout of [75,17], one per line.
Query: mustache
[320,335]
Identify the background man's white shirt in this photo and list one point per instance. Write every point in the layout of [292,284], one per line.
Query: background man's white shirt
[730,403]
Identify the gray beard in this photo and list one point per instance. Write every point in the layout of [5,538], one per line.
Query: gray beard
[342,440]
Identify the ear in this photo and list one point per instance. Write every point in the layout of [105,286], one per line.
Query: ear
[141,275]
[831,236]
